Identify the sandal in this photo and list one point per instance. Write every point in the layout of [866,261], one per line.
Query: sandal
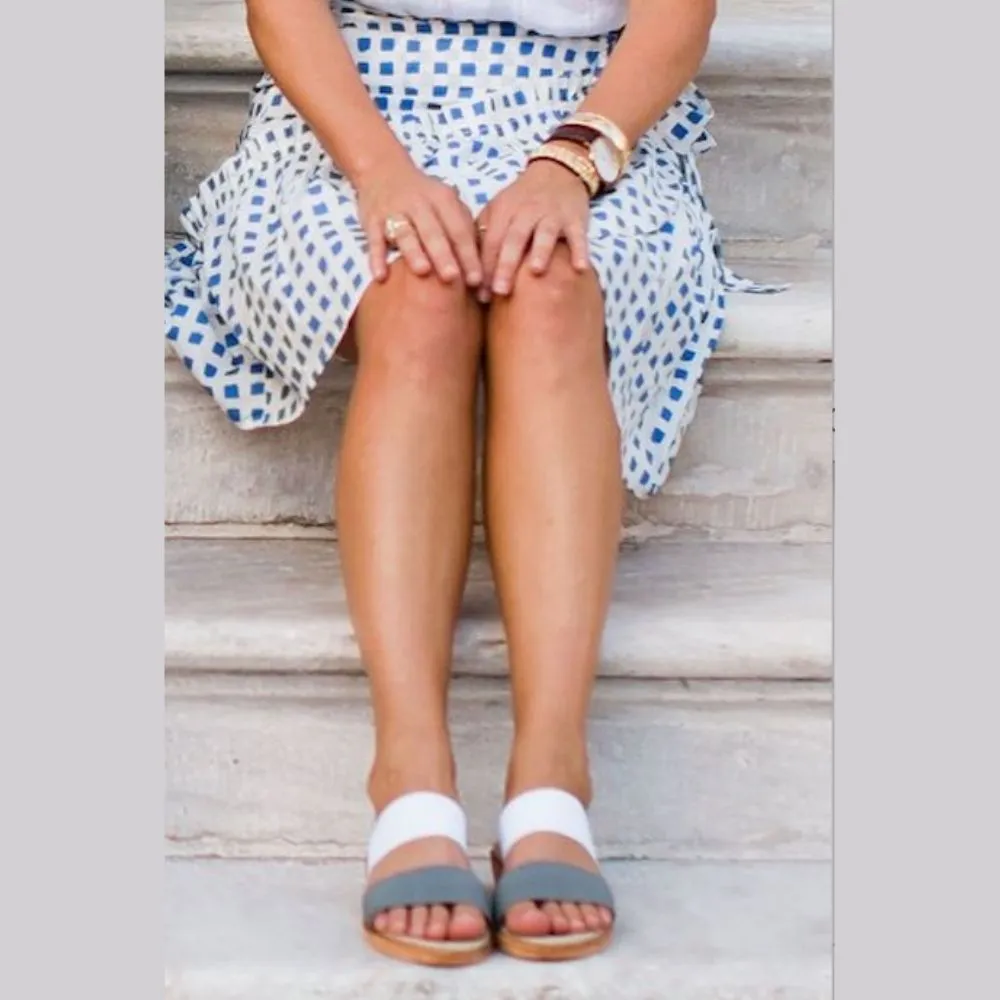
[547,810]
[413,817]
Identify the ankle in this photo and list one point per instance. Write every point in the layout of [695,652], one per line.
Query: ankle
[547,762]
[426,767]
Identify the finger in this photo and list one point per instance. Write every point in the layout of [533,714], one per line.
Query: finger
[482,228]
[461,230]
[483,223]
[515,242]
[489,252]
[377,249]
[543,244]
[435,242]
[579,249]
[409,245]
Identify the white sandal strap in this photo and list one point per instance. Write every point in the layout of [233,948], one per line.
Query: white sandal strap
[545,810]
[413,817]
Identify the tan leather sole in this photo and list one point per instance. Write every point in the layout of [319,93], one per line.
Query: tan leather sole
[422,952]
[554,947]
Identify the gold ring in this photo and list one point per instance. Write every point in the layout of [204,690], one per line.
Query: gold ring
[395,225]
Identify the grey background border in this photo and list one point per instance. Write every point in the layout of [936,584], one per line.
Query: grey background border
[81,561]
[81,719]
[915,364]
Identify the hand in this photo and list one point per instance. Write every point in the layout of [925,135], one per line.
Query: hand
[441,235]
[527,219]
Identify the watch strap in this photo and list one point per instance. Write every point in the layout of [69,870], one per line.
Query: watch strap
[576,132]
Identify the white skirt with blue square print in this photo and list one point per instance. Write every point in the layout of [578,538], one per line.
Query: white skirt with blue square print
[263,287]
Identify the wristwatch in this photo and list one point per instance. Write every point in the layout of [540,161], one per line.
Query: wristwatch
[599,149]
[605,144]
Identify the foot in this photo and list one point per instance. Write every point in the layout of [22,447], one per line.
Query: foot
[539,763]
[432,923]
[553,916]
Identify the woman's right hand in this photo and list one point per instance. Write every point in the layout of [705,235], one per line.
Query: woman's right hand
[439,232]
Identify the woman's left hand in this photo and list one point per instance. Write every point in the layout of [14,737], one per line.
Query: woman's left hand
[525,221]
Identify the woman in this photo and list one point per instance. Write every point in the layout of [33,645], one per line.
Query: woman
[427,188]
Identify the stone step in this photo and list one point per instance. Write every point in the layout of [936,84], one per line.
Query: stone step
[780,38]
[757,458]
[260,931]
[680,610]
[263,766]
[268,735]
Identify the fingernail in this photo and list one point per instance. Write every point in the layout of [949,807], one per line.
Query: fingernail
[500,287]
[475,277]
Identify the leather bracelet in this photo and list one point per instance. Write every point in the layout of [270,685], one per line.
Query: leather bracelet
[577,132]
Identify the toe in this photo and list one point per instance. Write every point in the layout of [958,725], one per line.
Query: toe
[467,923]
[527,920]
[573,916]
[607,919]
[397,920]
[591,917]
[418,921]
[381,922]
[560,925]
[437,923]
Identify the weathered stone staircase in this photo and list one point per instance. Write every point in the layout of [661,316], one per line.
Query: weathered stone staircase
[711,732]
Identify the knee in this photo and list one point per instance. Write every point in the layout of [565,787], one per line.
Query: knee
[428,330]
[558,315]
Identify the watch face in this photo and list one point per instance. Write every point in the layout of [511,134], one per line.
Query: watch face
[603,155]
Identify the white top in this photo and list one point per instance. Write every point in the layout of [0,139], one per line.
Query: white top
[572,18]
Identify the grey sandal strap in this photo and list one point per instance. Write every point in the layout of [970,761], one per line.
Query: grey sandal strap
[542,881]
[444,884]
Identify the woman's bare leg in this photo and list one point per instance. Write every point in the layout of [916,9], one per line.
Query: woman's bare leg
[405,487]
[554,503]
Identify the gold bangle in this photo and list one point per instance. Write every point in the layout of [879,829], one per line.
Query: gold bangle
[578,163]
[606,127]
